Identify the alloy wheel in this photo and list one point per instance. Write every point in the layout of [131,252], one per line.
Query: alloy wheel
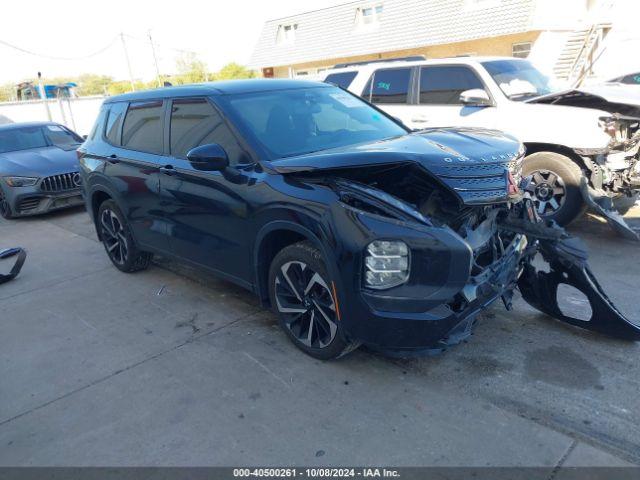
[113,237]
[548,191]
[306,305]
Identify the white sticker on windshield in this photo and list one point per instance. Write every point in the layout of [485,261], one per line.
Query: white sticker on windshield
[55,128]
[346,99]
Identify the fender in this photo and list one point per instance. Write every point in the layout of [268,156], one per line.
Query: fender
[319,239]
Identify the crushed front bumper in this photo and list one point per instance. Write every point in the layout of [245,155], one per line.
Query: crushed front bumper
[447,325]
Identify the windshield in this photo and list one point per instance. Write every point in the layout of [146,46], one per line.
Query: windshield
[519,79]
[28,138]
[295,122]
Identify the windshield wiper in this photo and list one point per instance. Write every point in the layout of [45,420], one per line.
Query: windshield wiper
[521,96]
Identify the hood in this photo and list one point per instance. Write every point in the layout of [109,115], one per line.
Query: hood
[474,163]
[39,162]
[612,98]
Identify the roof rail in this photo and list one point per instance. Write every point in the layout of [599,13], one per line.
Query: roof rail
[413,58]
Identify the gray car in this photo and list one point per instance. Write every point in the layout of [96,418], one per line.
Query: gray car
[38,168]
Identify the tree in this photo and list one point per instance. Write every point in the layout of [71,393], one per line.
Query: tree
[190,69]
[233,71]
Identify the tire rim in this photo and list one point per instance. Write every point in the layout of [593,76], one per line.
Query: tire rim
[304,301]
[113,237]
[548,191]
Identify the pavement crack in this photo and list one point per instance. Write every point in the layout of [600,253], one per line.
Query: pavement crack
[126,369]
[562,460]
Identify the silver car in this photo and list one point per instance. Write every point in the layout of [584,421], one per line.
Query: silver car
[38,168]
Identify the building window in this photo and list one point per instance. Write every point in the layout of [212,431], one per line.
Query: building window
[286,33]
[369,15]
[521,50]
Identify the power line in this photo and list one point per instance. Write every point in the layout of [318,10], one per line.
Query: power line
[51,57]
[163,46]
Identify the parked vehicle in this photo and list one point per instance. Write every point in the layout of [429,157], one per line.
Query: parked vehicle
[582,146]
[38,168]
[628,79]
[352,228]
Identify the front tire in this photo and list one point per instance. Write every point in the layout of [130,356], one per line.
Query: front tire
[118,241]
[555,186]
[301,294]
[5,207]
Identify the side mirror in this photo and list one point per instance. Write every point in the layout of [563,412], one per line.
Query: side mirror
[476,97]
[208,158]
[84,137]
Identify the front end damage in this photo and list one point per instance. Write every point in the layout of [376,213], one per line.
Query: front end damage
[501,237]
[612,183]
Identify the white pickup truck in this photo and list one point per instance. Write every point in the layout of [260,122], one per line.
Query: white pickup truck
[582,146]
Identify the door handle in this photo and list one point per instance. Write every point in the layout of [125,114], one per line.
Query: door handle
[419,119]
[113,158]
[168,170]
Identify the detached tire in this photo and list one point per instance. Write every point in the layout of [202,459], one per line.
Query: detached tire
[301,295]
[118,241]
[555,186]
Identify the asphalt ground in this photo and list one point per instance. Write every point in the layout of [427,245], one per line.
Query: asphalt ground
[173,367]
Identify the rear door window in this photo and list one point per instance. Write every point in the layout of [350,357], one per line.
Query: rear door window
[442,85]
[342,79]
[142,130]
[390,85]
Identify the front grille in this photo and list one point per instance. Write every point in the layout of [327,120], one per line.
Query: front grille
[61,183]
[29,204]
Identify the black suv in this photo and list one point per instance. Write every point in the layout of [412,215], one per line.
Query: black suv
[351,227]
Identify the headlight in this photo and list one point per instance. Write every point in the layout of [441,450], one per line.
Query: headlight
[20,181]
[386,264]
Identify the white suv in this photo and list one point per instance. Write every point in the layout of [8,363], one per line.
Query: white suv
[582,149]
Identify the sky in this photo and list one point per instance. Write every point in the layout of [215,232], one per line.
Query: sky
[218,31]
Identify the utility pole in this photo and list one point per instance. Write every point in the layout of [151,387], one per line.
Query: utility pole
[43,95]
[126,56]
[155,59]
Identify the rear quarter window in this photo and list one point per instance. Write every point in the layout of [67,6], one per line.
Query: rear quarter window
[114,122]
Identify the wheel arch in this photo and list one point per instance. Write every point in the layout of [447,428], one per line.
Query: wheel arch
[98,195]
[271,239]
[536,147]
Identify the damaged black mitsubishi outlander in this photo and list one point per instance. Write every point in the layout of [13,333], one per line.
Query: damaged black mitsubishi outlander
[351,227]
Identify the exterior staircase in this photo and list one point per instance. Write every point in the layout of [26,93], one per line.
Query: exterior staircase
[582,49]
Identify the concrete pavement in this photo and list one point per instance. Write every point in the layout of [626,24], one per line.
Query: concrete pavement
[173,367]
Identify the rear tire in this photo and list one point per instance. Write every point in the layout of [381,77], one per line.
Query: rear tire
[118,241]
[301,294]
[555,186]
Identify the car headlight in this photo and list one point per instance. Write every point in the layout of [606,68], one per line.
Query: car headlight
[386,264]
[20,181]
